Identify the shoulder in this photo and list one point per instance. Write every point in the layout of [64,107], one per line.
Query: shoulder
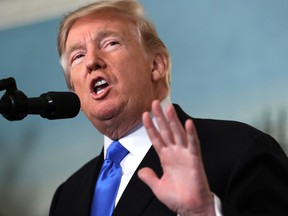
[229,141]
[84,172]
[234,147]
[83,176]
[228,135]
[77,188]
[216,127]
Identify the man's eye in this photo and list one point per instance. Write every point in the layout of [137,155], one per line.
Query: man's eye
[77,56]
[76,59]
[113,43]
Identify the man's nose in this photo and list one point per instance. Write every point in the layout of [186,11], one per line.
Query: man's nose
[94,62]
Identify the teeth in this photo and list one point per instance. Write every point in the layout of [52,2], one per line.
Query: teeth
[100,86]
[101,90]
[100,82]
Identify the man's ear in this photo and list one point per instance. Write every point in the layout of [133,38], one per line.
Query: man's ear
[159,67]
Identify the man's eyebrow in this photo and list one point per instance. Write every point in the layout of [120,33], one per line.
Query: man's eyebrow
[96,38]
[103,34]
[74,47]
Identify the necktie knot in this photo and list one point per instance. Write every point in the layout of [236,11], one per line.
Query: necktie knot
[116,152]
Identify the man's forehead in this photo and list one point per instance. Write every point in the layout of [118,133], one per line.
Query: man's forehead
[100,25]
[105,17]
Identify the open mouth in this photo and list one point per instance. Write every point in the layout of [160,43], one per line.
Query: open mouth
[100,86]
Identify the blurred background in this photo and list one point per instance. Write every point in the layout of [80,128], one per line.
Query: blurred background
[230,61]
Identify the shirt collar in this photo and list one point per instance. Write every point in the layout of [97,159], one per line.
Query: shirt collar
[137,141]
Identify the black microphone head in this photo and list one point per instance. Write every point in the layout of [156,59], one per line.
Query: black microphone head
[61,105]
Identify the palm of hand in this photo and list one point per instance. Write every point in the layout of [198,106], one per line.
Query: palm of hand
[183,187]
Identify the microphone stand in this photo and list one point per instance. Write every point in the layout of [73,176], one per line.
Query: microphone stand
[14,103]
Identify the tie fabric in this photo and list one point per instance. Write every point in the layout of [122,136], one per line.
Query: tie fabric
[108,181]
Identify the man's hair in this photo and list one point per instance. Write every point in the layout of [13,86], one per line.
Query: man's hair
[130,8]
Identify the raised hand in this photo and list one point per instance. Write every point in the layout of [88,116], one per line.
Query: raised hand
[183,186]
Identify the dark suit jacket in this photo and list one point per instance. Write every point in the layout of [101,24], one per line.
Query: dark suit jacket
[246,169]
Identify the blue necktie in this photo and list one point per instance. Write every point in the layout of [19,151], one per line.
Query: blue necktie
[108,181]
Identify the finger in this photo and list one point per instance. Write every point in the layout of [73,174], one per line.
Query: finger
[163,125]
[152,132]
[192,137]
[148,176]
[177,129]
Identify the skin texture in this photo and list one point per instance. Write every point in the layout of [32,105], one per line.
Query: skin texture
[106,47]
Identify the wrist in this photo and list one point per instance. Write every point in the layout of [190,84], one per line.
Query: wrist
[207,209]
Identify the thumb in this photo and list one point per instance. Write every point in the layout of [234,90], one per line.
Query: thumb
[148,176]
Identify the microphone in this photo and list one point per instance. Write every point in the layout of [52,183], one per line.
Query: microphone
[55,105]
[50,105]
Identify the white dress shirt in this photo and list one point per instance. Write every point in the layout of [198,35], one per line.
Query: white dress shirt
[138,143]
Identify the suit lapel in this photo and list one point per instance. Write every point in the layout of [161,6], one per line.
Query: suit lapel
[87,186]
[137,194]
[181,114]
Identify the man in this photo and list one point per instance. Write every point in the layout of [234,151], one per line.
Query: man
[120,69]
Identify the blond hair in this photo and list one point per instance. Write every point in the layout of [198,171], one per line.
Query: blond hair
[130,8]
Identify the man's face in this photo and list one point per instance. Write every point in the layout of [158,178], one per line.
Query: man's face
[110,71]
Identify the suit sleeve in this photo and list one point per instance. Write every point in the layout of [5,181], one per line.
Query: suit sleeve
[258,184]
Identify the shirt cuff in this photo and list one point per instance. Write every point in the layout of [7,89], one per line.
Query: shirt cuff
[217,206]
